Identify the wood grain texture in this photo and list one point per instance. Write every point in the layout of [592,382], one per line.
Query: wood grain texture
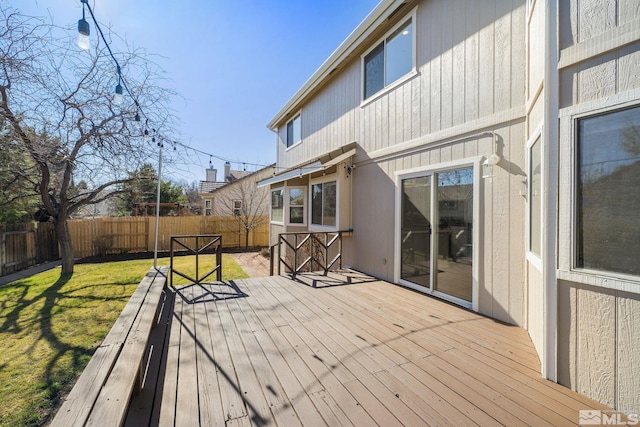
[105,386]
[596,355]
[359,354]
[627,364]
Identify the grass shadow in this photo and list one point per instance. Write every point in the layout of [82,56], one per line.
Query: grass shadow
[41,327]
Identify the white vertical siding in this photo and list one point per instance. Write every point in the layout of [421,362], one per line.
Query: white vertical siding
[471,77]
[469,67]
[599,339]
[502,292]
[597,327]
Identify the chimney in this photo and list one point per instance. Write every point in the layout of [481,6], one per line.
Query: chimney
[227,171]
[212,175]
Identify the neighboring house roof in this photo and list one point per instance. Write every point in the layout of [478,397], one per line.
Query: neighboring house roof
[385,10]
[241,176]
[236,175]
[209,186]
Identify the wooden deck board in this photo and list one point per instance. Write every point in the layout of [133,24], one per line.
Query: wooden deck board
[208,382]
[169,386]
[251,392]
[187,408]
[232,404]
[285,353]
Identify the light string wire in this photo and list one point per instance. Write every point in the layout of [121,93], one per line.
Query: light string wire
[140,110]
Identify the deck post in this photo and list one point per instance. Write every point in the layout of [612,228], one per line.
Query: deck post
[279,254]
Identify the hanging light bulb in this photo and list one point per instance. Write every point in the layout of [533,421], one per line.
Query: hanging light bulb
[146,135]
[117,98]
[137,117]
[83,41]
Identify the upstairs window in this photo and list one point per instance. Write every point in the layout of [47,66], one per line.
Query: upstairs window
[390,60]
[207,208]
[294,131]
[608,192]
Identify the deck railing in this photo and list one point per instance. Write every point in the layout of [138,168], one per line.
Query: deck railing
[198,245]
[305,252]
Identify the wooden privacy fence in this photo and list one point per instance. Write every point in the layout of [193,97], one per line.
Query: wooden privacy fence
[24,245]
[122,235]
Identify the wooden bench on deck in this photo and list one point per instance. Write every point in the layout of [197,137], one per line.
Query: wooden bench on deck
[115,372]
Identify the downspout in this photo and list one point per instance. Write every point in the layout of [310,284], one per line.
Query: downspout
[550,210]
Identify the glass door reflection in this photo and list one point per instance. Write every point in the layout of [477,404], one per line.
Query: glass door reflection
[416,231]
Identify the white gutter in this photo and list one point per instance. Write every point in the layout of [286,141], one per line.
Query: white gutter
[376,17]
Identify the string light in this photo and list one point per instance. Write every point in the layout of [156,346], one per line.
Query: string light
[83,41]
[118,96]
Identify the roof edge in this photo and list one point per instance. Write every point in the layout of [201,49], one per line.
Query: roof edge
[373,20]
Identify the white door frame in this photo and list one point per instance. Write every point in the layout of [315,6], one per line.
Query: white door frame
[429,170]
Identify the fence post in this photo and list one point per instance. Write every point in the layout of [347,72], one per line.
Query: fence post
[151,233]
[3,249]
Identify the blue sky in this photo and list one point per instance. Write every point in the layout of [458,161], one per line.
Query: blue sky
[235,63]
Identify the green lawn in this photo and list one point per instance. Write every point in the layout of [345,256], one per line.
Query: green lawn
[51,324]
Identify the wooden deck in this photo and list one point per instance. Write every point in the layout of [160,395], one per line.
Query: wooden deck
[342,350]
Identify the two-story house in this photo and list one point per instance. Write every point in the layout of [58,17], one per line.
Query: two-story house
[487,153]
[207,187]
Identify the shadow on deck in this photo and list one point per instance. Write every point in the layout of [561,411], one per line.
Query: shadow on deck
[267,351]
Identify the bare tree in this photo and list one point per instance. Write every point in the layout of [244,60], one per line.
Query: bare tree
[59,103]
[194,200]
[245,201]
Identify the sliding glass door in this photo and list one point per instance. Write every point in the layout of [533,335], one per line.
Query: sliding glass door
[436,233]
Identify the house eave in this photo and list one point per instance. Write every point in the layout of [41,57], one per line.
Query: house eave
[384,10]
[317,164]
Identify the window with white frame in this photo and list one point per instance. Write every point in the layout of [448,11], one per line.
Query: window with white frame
[324,203]
[237,207]
[294,131]
[207,207]
[608,192]
[535,197]
[297,206]
[390,60]
[277,205]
